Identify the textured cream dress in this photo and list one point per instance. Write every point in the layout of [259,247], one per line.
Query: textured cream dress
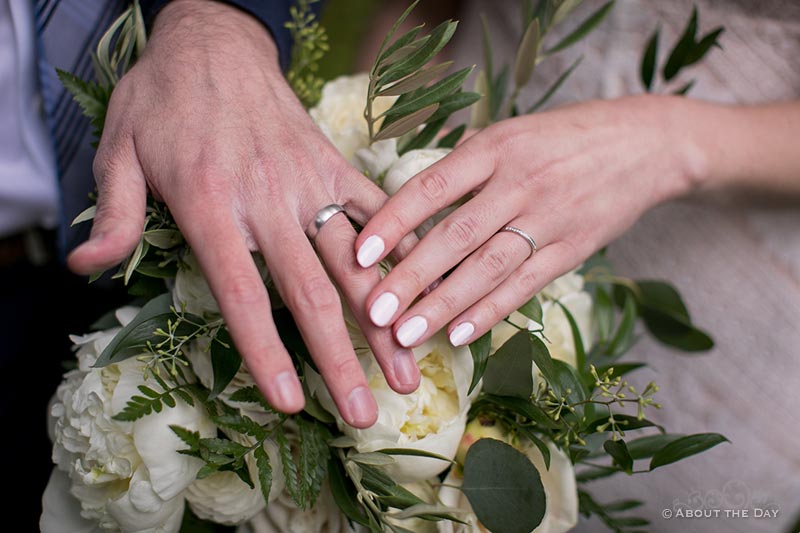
[738,266]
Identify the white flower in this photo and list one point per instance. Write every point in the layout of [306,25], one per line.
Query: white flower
[126,475]
[223,498]
[376,159]
[340,113]
[559,487]
[569,283]
[408,166]
[431,419]
[283,516]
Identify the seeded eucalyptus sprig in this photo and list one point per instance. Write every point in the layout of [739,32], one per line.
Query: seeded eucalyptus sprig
[310,44]
[401,69]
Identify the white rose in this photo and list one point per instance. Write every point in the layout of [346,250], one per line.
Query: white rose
[376,159]
[408,166]
[569,283]
[225,499]
[340,113]
[557,330]
[283,516]
[559,487]
[431,419]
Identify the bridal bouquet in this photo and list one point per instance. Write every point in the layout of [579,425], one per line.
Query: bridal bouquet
[160,427]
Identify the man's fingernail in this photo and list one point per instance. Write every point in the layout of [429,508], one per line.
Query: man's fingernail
[286,388]
[411,330]
[362,406]
[383,309]
[405,368]
[370,251]
[461,333]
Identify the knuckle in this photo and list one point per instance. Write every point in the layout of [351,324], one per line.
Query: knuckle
[494,263]
[461,233]
[493,310]
[317,293]
[529,281]
[434,186]
[244,289]
[448,302]
[346,367]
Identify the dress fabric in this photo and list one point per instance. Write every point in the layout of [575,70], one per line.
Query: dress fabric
[736,264]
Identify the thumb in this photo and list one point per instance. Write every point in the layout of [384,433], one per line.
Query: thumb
[121,203]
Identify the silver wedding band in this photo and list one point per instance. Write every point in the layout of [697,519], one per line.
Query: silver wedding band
[322,216]
[524,235]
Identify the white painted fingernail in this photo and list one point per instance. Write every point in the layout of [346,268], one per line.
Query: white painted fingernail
[411,330]
[383,309]
[370,251]
[461,333]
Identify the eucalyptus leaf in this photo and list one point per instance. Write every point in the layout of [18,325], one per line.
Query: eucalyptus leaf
[584,29]
[503,487]
[624,337]
[540,445]
[646,446]
[625,422]
[685,447]
[521,407]
[577,340]
[603,314]
[532,309]
[509,371]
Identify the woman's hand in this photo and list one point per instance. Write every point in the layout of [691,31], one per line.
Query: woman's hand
[573,179]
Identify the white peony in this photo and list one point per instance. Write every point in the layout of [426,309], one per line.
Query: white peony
[340,113]
[431,419]
[559,487]
[126,475]
[374,160]
[223,498]
[283,516]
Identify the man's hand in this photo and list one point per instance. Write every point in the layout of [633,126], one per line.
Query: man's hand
[207,121]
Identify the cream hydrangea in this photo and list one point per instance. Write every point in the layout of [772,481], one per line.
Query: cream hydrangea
[340,113]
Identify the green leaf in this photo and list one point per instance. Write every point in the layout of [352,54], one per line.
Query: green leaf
[401,47]
[452,138]
[430,95]
[532,309]
[479,349]
[702,47]
[312,460]
[584,29]
[136,257]
[132,339]
[525,59]
[163,238]
[394,29]
[85,215]
[498,89]
[666,317]
[685,447]
[406,124]
[645,447]
[545,364]
[622,505]
[563,10]
[685,44]
[191,438]
[251,394]
[415,453]
[289,467]
[452,103]
[225,362]
[488,55]
[344,493]
[555,86]
[624,336]
[416,80]
[264,471]
[223,447]
[503,487]
[625,422]
[603,312]
[438,39]
[520,407]
[596,472]
[91,97]
[240,423]
[648,67]
[577,340]
[423,138]
[619,452]
[314,408]
[371,458]
[509,371]
[684,90]
[540,445]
